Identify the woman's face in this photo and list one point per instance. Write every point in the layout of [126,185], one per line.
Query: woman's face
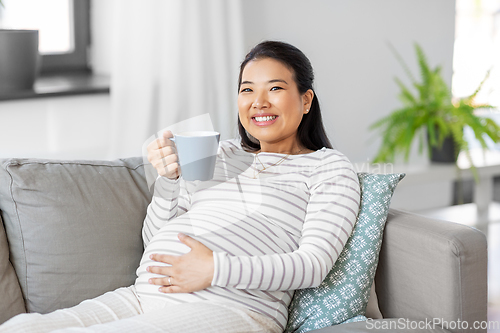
[270,105]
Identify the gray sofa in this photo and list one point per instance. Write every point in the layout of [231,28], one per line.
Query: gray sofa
[72,230]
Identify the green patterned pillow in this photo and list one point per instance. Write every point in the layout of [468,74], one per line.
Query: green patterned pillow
[343,294]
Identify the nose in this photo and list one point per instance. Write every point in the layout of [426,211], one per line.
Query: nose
[261,101]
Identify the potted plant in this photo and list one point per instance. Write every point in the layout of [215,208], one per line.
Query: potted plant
[19,59]
[431,114]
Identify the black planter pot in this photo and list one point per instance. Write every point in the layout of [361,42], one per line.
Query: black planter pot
[19,60]
[447,153]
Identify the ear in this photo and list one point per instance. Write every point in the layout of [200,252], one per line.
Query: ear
[307,100]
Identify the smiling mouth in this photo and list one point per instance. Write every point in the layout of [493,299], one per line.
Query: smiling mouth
[265,118]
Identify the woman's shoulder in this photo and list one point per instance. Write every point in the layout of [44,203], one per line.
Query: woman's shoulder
[334,159]
[321,159]
[332,165]
[329,155]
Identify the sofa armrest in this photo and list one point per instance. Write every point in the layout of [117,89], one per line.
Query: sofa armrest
[432,269]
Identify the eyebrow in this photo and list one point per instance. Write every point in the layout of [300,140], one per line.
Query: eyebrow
[271,81]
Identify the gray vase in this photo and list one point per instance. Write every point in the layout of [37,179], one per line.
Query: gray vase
[19,60]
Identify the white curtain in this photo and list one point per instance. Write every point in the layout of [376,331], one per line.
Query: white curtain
[173,60]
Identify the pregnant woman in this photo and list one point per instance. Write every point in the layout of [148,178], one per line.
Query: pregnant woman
[225,255]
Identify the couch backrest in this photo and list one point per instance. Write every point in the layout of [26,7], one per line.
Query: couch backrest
[73,227]
[432,270]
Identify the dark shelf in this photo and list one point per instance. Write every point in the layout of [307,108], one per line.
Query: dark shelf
[62,84]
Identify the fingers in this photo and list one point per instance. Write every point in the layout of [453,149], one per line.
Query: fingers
[167,283]
[167,134]
[163,156]
[164,160]
[171,289]
[189,272]
[167,166]
[165,280]
[162,141]
[164,258]
[160,281]
[185,239]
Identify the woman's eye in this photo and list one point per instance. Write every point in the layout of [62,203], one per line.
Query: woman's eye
[245,90]
[275,88]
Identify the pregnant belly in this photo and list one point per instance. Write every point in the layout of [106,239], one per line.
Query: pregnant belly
[164,242]
[236,234]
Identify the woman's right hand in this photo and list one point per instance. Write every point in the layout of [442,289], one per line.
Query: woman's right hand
[162,155]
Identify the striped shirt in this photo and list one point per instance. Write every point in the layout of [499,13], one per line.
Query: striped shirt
[272,231]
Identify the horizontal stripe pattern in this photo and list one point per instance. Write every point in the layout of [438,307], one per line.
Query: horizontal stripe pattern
[271,232]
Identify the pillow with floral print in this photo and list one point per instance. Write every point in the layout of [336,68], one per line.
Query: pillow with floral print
[343,295]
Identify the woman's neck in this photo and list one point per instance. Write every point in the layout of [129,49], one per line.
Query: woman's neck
[291,149]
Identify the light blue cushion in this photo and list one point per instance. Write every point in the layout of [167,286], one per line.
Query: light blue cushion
[343,294]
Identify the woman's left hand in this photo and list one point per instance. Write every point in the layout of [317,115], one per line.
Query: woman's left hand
[190,272]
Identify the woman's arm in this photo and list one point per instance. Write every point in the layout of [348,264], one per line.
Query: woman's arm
[170,199]
[331,215]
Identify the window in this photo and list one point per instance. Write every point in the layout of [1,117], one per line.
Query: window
[477,49]
[63,26]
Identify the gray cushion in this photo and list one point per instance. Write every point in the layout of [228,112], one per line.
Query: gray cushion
[74,227]
[12,300]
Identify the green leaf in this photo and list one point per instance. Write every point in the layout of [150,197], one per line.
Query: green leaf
[427,108]
[474,94]
[402,62]
[406,95]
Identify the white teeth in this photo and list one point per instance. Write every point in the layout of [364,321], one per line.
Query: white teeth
[267,118]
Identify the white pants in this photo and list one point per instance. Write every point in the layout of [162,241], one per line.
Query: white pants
[121,311]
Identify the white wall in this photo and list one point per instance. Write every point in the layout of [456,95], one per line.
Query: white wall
[345,40]
[101,16]
[75,127]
